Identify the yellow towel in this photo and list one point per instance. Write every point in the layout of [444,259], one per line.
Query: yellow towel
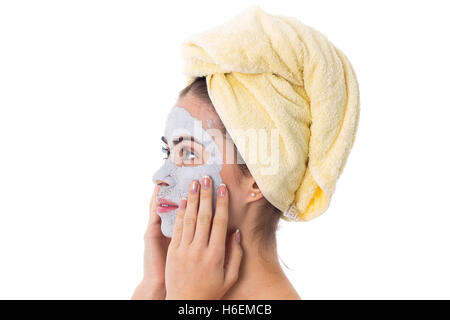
[273,72]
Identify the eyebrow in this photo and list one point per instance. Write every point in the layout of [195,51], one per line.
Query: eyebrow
[177,140]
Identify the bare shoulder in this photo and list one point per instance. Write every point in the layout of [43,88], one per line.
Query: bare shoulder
[285,294]
[281,291]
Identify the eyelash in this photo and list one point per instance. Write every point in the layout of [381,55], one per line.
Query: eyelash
[191,152]
[166,151]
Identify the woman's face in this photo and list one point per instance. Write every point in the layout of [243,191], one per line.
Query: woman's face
[194,146]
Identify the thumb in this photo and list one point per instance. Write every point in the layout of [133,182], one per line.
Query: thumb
[154,222]
[154,218]
[234,260]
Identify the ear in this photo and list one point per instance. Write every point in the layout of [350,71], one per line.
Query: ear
[254,193]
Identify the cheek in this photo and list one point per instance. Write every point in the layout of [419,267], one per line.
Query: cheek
[229,176]
[236,191]
[184,176]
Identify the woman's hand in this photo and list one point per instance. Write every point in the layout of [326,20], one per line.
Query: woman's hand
[196,265]
[156,244]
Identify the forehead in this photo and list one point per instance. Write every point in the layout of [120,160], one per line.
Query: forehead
[202,123]
[200,110]
[181,123]
[190,116]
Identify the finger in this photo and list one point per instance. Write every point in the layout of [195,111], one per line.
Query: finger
[190,216]
[178,228]
[220,221]
[154,219]
[204,212]
[234,260]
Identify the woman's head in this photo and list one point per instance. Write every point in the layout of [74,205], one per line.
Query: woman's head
[288,86]
[197,144]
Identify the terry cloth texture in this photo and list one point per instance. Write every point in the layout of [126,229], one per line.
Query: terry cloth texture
[269,72]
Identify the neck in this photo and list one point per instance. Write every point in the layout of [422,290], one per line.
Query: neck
[260,274]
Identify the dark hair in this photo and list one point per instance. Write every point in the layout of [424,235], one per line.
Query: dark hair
[268,222]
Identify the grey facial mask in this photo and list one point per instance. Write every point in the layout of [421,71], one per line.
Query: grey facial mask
[178,178]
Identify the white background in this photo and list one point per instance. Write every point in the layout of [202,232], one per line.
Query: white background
[85,87]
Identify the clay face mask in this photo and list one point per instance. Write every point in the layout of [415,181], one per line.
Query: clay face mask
[180,125]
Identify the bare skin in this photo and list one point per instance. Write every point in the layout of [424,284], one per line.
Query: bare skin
[257,274]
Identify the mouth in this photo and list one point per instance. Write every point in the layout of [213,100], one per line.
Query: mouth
[165,205]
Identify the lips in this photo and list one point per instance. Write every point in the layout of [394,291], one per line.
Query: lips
[165,205]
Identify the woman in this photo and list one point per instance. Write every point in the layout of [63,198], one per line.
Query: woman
[261,132]
[249,211]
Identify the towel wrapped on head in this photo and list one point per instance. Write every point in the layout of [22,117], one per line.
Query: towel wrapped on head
[273,73]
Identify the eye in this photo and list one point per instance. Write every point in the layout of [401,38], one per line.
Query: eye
[188,154]
[166,151]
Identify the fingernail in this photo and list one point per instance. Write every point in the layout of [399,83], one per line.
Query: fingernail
[222,190]
[237,236]
[183,203]
[206,182]
[194,187]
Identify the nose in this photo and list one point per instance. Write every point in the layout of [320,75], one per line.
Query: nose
[162,183]
[163,176]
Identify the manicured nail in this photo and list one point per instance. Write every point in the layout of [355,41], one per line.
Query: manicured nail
[237,236]
[206,182]
[194,187]
[183,203]
[222,190]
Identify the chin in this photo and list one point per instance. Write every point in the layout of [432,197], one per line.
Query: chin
[167,230]
[167,234]
[168,223]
